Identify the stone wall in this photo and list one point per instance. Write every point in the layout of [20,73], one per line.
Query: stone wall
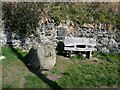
[107,41]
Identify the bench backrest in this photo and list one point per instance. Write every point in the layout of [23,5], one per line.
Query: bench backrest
[72,41]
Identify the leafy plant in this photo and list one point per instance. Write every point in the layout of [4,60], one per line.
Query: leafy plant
[22,17]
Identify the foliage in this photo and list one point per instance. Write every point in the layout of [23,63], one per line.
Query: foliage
[22,17]
[81,13]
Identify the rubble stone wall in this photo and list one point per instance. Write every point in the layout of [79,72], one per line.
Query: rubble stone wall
[107,41]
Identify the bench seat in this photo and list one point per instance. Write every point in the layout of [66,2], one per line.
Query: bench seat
[79,49]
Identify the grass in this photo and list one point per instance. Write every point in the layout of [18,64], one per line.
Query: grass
[34,82]
[83,73]
[111,57]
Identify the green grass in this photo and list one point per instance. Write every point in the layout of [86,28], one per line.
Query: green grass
[91,76]
[102,73]
[111,57]
[76,58]
[35,82]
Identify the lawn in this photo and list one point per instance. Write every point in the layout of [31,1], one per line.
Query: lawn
[100,71]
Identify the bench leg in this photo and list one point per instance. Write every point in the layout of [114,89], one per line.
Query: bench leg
[69,54]
[88,54]
[65,53]
[78,55]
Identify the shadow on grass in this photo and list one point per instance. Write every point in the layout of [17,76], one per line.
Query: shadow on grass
[53,85]
[108,59]
[105,57]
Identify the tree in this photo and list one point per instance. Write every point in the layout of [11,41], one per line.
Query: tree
[23,17]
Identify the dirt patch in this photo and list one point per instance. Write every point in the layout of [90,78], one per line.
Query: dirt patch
[11,73]
[90,61]
[62,58]
[22,81]
[54,77]
[63,63]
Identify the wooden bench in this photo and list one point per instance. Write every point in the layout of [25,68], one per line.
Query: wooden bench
[77,44]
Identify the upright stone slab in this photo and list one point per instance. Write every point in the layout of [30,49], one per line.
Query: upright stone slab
[42,56]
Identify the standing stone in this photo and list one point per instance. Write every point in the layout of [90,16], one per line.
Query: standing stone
[42,56]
